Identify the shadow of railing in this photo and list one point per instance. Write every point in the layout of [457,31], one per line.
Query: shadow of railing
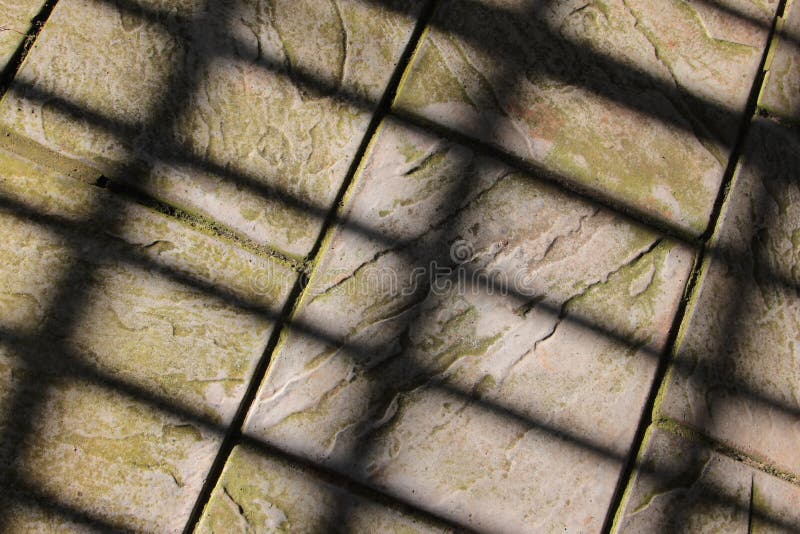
[64,365]
[634,80]
[169,151]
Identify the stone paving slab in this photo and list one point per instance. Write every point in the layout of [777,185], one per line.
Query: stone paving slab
[259,493]
[683,486]
[159,312]
[15,22]
[448,393]
[633,100]
[780,95]
[736,375]
[247,112]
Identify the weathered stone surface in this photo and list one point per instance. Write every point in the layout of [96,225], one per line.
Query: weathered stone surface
[736,375]
[260,493]
[634,100]
[246,112]
[781,91]
[682,486]
[503,395]
[15,22]
[126,343]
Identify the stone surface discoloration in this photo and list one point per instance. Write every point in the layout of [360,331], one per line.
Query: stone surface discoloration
[633,100]
[455,397]
[15,23]
[260,493]
[476,347]
[736,376]
[780,95]
[128,405]
[246,112]
[683,486]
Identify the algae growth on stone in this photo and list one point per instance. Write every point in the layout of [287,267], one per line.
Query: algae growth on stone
[16,17]
[736,376]
[780,95]
[454,396]
[246,112]
[261,493]
[685,486]
[631,100]
[129,405]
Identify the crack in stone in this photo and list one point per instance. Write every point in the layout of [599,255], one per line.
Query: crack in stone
[425,161]
[675,99]
[335,438]
[681,484]
[482,78]
[239,507]
[562,311]
[453,74]
[641,254]
[493,92]
[376,469]
[708,34]
[360,328]
[406,243]
[570,233]
[343,64]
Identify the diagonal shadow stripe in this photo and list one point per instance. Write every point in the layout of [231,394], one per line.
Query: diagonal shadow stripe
[78,233]
[298,204]
[690,112]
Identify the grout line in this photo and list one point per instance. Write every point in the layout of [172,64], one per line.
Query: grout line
[235,430]
[573,189]
[751,507]
[16,61]
[667,228]
[197,222]
[690,434]
[692,286]
[45,157]
[383,110]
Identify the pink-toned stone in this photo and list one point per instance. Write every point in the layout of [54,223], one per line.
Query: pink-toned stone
[456,396]
[683,486]
[635,101]
[736,375]
[127,340]
[780,94]
[246,112]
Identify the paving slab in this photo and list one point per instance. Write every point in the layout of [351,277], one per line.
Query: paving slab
[634,101]
[127,340]
[780,94]
[246,112]
[683,486]
[261,493]
[736,375]
[470,330]
[16,17]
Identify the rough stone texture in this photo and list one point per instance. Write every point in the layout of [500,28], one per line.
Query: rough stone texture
[780,94]
[455,396]
[126,343]
[736,375]
[15,22]
[633,100]
[260,493]
[247,112]
[682,486]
